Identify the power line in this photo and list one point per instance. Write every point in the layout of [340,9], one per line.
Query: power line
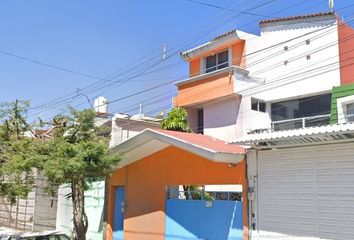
[133,77]
[227,9]
[263,4]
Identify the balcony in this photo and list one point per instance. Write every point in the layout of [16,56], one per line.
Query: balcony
[217,84]
[297,123]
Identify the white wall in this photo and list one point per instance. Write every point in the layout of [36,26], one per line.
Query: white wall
[280,81]
[94,201]
[296,79]
[123,128]
[220,119]
[251,119]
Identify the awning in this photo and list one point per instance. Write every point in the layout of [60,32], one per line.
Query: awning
[297,137]
[150,141]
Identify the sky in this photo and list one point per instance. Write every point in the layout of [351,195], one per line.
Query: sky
[51,51]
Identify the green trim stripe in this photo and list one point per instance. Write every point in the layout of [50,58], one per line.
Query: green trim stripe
[339,92]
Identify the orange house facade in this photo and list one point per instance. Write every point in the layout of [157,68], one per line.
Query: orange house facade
[156,161]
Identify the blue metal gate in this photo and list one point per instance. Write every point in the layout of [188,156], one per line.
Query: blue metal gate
[192,219]
[119,202]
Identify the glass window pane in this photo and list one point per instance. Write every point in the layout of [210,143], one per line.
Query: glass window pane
[223,59]
[350,112]
[262,106]
[210,63]
[350,108]
[254,104]
[200,121]
[304,107]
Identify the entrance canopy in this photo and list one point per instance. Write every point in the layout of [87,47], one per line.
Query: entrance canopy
[150,141]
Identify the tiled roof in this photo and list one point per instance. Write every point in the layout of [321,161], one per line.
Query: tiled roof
[204,141]
[223,35]
[215,42]
[297,17]
[150,141]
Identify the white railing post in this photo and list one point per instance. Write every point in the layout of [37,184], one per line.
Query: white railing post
[303,123]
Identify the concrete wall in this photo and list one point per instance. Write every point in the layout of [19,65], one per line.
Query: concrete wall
[124,128]
[24,214]
[94,200]
[45,210]
[35,213]
[146,190]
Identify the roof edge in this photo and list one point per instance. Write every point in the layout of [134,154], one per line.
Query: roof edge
[148,135]
[282,19]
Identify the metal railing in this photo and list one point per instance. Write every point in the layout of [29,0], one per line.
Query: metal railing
[296,123]
[217,67]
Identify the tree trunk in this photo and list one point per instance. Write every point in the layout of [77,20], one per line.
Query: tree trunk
[79,215]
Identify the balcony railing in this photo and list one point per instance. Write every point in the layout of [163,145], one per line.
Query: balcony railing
[297,123]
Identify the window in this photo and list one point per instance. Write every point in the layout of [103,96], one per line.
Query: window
[286,62]
[217,61]
[349,112]
[286,48]
[258,105]
[308,42]
[200,121]
[303,112]
[308,57]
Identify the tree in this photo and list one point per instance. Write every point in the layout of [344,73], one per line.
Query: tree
[17,153]
[176,120]
[77,156]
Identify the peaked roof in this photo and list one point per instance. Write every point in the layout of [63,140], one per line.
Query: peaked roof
[321,14]
[221,40]
[150,141]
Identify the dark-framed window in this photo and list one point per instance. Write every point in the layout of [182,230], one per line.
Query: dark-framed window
[258,105]
[302,107]
[217,61]
[200,123]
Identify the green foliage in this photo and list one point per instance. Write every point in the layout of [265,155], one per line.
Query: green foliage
[76,150]
[77,156]
[17,152]
[176,120]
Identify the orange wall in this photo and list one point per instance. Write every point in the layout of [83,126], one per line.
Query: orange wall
[146,182]
[346,43]
[204,90]
[194,68]
[238,58]
[238,54]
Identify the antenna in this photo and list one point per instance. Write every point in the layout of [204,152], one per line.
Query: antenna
[331,5]
[164,52]
[141,108]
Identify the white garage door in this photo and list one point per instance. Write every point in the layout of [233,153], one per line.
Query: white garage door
[306,193]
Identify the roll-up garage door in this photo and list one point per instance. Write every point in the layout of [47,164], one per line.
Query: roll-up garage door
[306,193]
